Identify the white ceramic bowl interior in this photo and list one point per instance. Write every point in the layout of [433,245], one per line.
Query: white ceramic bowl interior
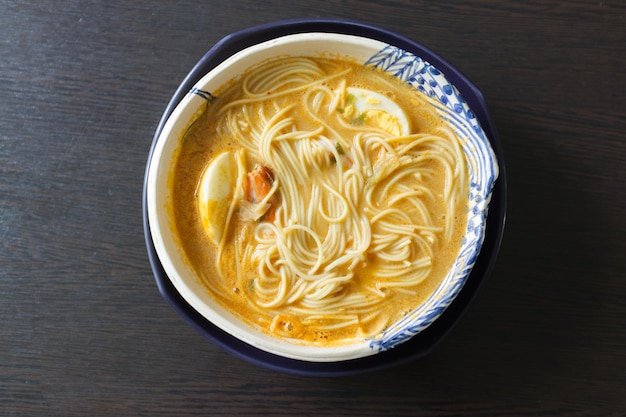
[414,70]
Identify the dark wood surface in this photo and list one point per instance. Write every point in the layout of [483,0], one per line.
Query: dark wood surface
[83,328]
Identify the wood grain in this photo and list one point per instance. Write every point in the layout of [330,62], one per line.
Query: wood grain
[84,330]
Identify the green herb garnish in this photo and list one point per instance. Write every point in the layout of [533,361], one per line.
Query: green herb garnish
[360,119]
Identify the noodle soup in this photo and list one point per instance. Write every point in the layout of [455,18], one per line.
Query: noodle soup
[319,200]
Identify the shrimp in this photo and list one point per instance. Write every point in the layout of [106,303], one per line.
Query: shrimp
[259,185]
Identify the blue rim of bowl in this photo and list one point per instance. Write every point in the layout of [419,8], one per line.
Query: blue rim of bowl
[421,344]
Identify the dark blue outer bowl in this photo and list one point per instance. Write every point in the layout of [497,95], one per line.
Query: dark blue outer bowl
[424,342]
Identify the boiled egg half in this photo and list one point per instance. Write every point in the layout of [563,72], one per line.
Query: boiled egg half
[375,110]
[215,193]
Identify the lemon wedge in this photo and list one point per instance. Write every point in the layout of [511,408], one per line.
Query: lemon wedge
[377,110]
[215,193]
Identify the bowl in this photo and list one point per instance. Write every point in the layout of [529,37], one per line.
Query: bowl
[457,101]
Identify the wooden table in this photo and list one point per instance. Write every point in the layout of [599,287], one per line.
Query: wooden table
[84,330]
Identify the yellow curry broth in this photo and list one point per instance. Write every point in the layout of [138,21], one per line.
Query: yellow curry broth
[201,144]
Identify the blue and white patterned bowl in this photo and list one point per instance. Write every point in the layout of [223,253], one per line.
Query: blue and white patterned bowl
[413,69]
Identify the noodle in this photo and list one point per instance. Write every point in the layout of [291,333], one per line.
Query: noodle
[356,219]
